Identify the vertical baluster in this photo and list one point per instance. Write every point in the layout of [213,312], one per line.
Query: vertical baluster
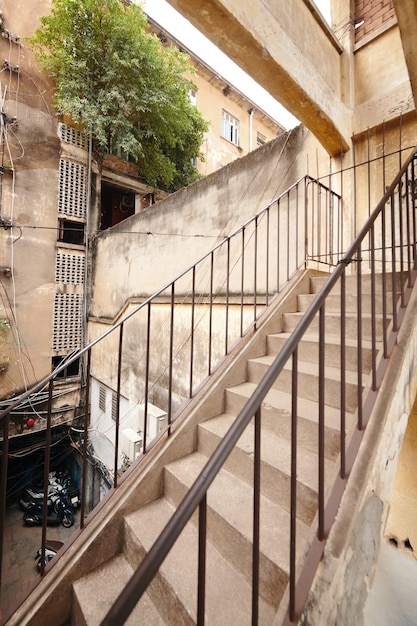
[293,504]
[267,255]
[119,380]
[146,391]
[202,545]
[321,431]
[256,517]
[85,438]
[47,462]
[343,468]
[393,265]
[255,269]
[171,357]
[210,333]
[190,393]
[373,308]
[242,281]
[3,491]
[359,338]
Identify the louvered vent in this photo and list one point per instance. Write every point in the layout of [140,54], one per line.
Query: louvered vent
[71,135]
[67,322]
[72,198]
[69,268]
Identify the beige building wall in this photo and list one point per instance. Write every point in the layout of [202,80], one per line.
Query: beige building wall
[214,96]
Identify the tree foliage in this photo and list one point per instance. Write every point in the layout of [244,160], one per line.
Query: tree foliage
[117,80]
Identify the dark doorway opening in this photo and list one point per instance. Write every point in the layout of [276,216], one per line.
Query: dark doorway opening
[116,205]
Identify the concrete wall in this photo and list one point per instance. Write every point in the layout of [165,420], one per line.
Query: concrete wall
[31,155]
[211,100]
[341,585]
[141,255]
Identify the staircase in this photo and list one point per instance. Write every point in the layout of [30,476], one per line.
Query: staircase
[171,598]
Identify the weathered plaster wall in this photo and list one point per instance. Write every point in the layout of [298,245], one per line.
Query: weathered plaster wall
[339,590]
[141,255]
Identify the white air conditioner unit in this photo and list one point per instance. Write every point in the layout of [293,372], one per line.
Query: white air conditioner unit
[157,420]
[131,443]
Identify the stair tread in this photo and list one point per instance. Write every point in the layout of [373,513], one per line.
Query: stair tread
[282,400]
[97,591]
[231,498]
[330,339]
[304,367]
[180,569]
[275,451]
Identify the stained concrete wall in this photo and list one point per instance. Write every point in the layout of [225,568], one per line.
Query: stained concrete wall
[29,201]
[341,585]
[139,256]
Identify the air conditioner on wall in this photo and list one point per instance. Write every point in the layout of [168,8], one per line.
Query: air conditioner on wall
[131,443]
[157,420]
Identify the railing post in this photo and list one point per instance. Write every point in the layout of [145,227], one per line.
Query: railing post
[190,393]
[170,357]
[47,461]
[202,553]
[293,503]
[322,531]
[256,517]
[3,492]
[119,380]
[85,438]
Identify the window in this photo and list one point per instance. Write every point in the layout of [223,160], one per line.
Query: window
[230,128]
[192,96]
[71,232]
[71,370]
[260,139]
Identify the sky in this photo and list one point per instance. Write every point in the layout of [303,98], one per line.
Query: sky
[184,31]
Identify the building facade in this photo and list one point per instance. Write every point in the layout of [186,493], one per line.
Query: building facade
[54,199]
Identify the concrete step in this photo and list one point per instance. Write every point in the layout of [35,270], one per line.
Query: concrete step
[230,521]
[276,416]
[94,594]
[317,282]
[351,304]
[275,465]
[308,381]
[174,588]
[332,324]
[308,350]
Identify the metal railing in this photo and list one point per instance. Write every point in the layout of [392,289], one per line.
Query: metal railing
[386,245]
[223,296]
[165,347]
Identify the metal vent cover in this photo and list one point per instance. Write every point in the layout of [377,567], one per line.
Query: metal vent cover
[69,268]
[72,135]
[67,322]
[72,194]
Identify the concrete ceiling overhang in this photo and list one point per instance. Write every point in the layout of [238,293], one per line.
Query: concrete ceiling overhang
[263,37]
[406,11]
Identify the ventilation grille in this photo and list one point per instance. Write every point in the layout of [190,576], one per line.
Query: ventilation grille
[71,135]
[72,198]
[102,392]
[67,322]
[69,268]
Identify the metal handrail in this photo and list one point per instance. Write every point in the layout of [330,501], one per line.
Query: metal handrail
[306,185]
[196,495]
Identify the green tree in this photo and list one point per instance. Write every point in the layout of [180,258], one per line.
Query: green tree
[118,81]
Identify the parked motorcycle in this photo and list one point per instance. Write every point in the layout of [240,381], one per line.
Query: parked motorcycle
[59,511]
[58,483]
[51,548]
